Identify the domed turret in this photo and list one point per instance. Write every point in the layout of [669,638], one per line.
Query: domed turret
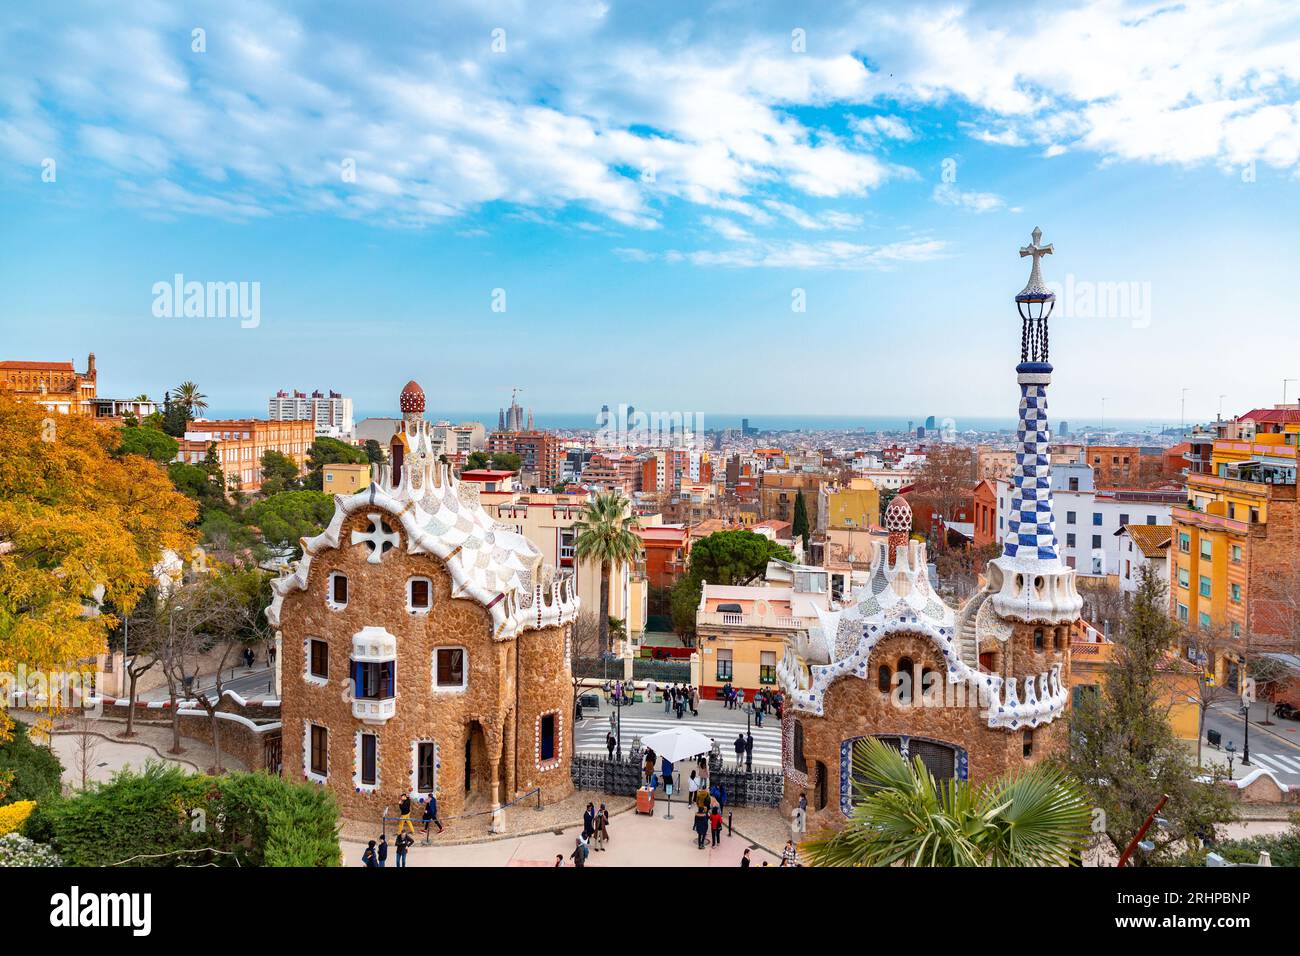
[898,522]
[412,399]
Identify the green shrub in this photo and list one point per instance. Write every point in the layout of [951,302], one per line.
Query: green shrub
[32,772]
[164,816]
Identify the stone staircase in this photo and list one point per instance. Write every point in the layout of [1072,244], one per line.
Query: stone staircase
[967,641]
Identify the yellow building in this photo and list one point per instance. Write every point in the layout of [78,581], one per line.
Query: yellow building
[855,506]
[1233,547]
[345,479]
[1090,654]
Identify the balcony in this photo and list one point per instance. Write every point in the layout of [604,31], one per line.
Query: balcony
[374,711]
[729,619]
[1202,519]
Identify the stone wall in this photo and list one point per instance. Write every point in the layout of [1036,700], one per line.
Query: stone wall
[855,707]
[491,722]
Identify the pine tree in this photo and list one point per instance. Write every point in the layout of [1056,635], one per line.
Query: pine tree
[1124,750]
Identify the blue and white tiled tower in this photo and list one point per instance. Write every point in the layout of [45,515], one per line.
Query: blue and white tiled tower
[1034,585]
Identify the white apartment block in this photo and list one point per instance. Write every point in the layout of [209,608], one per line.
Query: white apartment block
[1088,520]
[331,414]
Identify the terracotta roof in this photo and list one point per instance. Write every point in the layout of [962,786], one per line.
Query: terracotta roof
[1152,539]
[1278,415]
[41,366]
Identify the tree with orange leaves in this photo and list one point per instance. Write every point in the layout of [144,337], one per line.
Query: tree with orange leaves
[80,527]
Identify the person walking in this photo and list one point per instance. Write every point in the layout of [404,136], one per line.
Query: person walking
[715,824]
[749,752]
[610,741]
[790,855]
[600,825]
[701,825]
[668,699]
[404,842]
[651,688]
[744,858]
[381,852]
[695,701]
[801,813]
[589,821]
[579,854]
[368,855]
[740,750]
[431,816]
[692,785]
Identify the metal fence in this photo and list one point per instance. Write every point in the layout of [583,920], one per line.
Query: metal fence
[672,672]
[605,669]
[758,788]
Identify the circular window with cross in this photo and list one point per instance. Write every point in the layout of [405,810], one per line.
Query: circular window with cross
[378,537]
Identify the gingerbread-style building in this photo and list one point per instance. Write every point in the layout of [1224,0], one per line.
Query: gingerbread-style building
[424,647]
[975,692]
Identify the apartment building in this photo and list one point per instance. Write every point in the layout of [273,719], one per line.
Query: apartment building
[540,454]
[330,414]
[1127,466]
[1236,538]
[240,444]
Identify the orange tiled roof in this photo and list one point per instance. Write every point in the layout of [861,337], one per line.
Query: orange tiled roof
[1153,539]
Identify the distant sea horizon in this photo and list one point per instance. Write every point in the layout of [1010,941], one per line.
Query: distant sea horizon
[569,421]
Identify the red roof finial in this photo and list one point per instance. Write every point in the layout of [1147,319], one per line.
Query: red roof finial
[412,398]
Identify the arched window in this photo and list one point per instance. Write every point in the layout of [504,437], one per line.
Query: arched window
[882,681]
[800,761]
[1038,638]
[905,677]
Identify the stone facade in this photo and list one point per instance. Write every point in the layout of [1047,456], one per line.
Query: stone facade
[429,579]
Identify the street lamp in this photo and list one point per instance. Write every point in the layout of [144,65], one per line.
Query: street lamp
[1231,751]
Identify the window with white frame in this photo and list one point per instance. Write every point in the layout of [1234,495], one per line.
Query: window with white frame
[424,766]
[338,590]
[450,670]
[366,773]
[548,740]
[419,595]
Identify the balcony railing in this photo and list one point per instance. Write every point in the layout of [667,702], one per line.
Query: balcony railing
[730,619]
[374,711]
[1206,520]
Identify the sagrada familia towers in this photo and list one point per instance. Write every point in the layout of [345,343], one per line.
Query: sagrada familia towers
[975,691]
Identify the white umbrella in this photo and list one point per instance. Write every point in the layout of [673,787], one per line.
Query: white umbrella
[677,744]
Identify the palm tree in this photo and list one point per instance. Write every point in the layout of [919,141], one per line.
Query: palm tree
[1036,818]
[189,396]
[605,534]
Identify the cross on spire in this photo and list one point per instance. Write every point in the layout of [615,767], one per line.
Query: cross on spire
[1035,287]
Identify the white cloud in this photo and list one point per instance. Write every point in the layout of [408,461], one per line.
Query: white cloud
[946,194]
[784,254]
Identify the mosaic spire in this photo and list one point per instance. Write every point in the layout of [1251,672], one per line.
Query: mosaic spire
[1031,528]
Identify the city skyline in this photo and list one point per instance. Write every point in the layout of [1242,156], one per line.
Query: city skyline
[870,169]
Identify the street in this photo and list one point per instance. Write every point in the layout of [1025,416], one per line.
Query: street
[714,721]
[1274,747]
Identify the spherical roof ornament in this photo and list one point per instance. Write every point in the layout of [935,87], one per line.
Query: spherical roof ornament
[898,516]
[412,398]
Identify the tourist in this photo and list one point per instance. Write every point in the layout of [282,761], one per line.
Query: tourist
[404,814]
[649,764]
[802,811]
[368,855]
[744,857]
[404,842]
[610,741]
[651,688]
[749,752]
[740,699]
[692,785]
[589,821]
[580,851]
[431,816]
[668,775]
[695,701]
[559,859]
[740,750]
[790,855]
[701,825]
[715,824]
[600,825]
[758,715]
[668,699]
[381,852]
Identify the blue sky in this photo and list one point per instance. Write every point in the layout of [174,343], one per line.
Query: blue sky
[649,185]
